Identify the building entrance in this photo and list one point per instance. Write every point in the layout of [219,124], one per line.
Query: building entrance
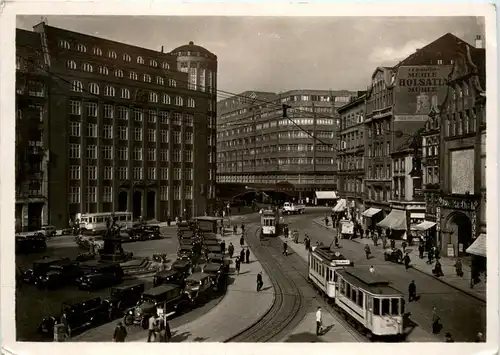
[460,227]
[122,201]
[137,204]
[151,205]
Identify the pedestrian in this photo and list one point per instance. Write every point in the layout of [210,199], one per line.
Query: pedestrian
[412,291]
[458,268]
[438,270]
[65,323]
[151,327]
[319,320]
[393,244]
[230,250]
[223,247]
[421,250]
[326,221]
[242,241]
[436,326]
[120,333]
[160,327]
[361,232]
[235,229]
[372,269]
[479,338]
[407,260]
[337,242]
[367,251]
[242,255]
[168,333]
[449,338]
[404,245]
[285,248]
[247,255]
[237,265]
[260,283]
[242,228]
[429,256]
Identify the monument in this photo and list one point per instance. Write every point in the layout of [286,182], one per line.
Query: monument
[112,249]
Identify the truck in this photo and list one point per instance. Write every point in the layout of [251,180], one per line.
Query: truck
[293,208]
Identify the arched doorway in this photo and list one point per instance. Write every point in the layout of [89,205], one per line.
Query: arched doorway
[122,201]
[460,228]
[137,204]
[151,205]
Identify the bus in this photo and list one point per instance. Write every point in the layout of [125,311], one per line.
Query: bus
[96,222]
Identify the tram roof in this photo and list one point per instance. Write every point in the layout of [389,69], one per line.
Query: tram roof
[269,213]
[328,254]
[371,282]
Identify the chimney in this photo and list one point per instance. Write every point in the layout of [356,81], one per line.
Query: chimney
[162,49]
[479,42]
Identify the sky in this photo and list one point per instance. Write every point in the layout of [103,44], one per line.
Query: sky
[280,53]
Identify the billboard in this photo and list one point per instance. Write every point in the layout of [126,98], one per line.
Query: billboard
[462,171]
[418,89]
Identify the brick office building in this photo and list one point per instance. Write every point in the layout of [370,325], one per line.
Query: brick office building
[130,129]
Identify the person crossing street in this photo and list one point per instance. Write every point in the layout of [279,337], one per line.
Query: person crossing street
[260,283]
[412,291]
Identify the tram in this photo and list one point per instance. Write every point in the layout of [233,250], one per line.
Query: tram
[269,223]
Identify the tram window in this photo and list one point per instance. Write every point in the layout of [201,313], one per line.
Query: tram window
[342,286]
[348,290]
[402,306]
[376,307]
[395,306]
[335,277]
[354,295]
[360,298]
[331,275]
[385,306]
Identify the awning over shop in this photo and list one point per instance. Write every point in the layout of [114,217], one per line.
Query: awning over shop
[417,215]
[371,212]
[395,220]
[340,206]
[425,225]
[326,195]
[479,246]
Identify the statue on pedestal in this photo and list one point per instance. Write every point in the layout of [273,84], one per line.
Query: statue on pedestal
[113,250]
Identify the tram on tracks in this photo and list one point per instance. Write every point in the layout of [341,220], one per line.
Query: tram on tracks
[271,223]
[365,299]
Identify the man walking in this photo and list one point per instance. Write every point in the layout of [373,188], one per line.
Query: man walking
[319,320]
[436,326]
[120,333]
[223,247]
[412,291]
[242,241]
[247,255]
[237,265]
[260,283]
[367,251]
[407,260]
[230,250]
[151,327]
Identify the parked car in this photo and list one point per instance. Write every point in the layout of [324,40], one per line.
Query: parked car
[171,276]
[40,268]
[210,236]
[79,315]
[218,275]
[218,258]
[49,231]
[143,231]
[122,298]
[185,267]
[395,255]
[198,287]
[212,249]
[293,208]
[186,241]
[83,240]
[30,244]
[185,252]
[59,275]
[211,242]
[168,297]
[99,274]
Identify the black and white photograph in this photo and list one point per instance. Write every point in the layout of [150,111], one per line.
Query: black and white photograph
[280,178]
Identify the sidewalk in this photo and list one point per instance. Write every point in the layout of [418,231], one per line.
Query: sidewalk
[241,307]
[450,278]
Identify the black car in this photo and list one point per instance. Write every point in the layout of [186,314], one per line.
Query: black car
[218,258]
[30,244]
[59,275]
[186,241]
[218,274]
[40,268]
[122,298]
[185,251]
[209,236]
[79,315]
[183,266]
[142,231]
[99,274]
[212,249]
[394,255]
[171,276]
[211,242]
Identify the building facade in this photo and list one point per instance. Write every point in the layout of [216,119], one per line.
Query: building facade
[130,129]
[259,147]
[31,156]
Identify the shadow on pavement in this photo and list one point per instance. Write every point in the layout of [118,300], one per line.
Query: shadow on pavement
[178,338]
[305,337]
[199,339]
[266,288]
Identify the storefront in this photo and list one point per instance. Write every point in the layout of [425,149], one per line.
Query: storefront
[396,223]
[477,250]
[370,217]
[325,198]
[426,231]
[340,208]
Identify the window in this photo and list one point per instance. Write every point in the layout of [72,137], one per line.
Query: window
[164,136]
[376,307]
[172,83]
[119,73]
[74,151]
[164,154]
[137,153]
[74,172]
[70,64]
[164,173]
[152,154]
[132,75]
[153,63]
[188,120]
[107,152]
[91,152]
[108,111]
[178,101]
[385,306]
[122,173]
[76,86]
[138,114]
[75,107]
[177,137]
[153,97]
[123,133]
[188,192]
[94,88]
[164,193]
[177,174]
[190,102]
[87,67]
[81,48]
[159,80]
[125,94]
[176,156]
[127,58]
[91,172]
[137,173]
[103,70]
[91,194]
[64,44]
[112,54]
[177,192]
[188,156]
[138,134]
[166,99]
[176,118]
[189,138]
[97,51]
[92,109]
[165,65]
[164,115]
[122,153]
[140,60]
[91,130]
[74,194]
[109,91]
[152,135]
[107,195]
[152,173]
[189,174]
[395,306]
[147,78]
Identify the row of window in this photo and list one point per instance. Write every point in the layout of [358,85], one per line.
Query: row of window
[121,173]
[237,154]
[378,149]
[346,163]
[351,140]
[353,186]
[379,172]
[351,119]
[294,179]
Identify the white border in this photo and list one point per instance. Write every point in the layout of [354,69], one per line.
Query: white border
[64,7]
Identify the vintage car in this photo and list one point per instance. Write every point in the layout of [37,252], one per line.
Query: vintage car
[183,266]
[186,241]
[185,251]
[79,315]
[212,249]
[99,274]
[395,255]
[171,276]
[122,298]
[211,242]
[184,227]
[209,236]
[143,231]
[49,231]
[198,287]
[59,275]
[218,258]
[218,274]
[168,297]
[40,268]
[30,244]
[84,241]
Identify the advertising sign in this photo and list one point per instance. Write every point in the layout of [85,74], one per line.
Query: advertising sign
[418,89]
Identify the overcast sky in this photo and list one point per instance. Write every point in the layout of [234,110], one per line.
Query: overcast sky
[280,53]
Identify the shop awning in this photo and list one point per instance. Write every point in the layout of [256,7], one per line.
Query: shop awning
[417,215]
[326,195]
[479,246]
[371,212]
[340,206]
[395,220]
[425,225]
